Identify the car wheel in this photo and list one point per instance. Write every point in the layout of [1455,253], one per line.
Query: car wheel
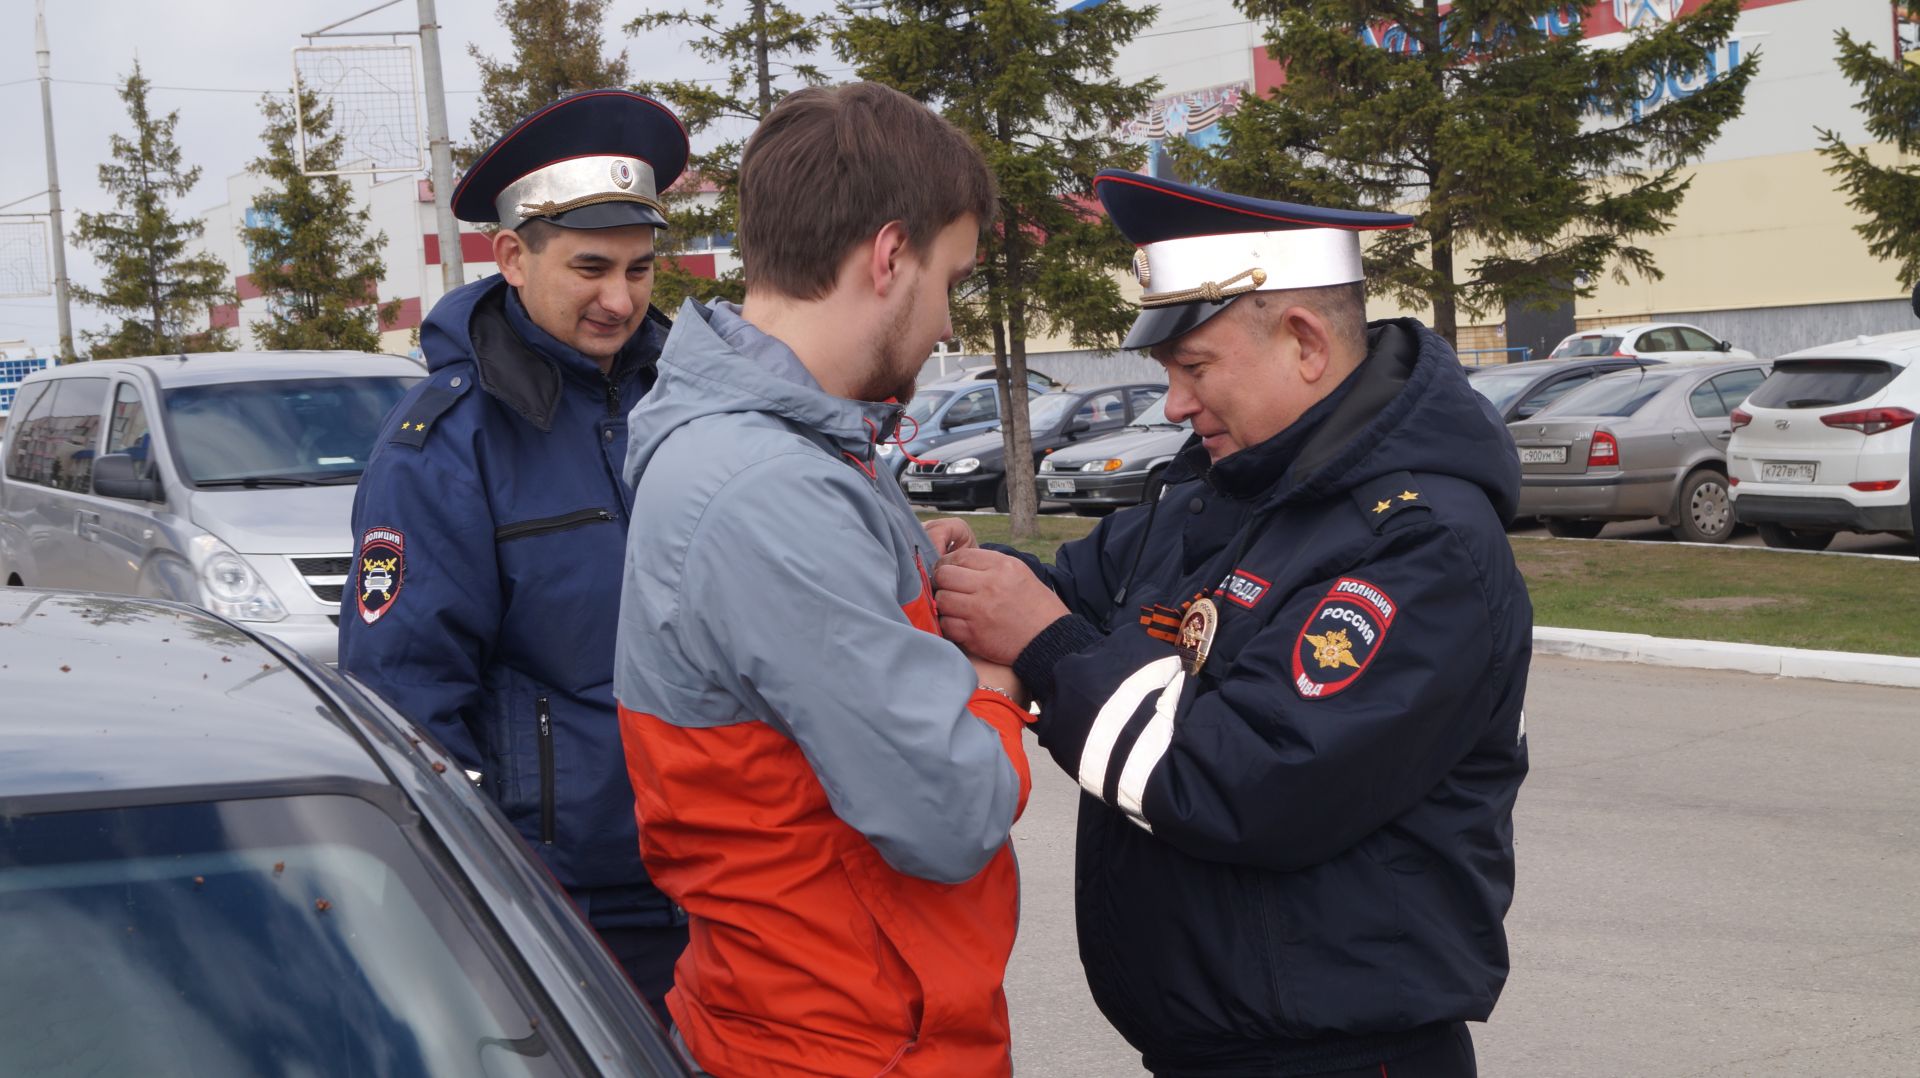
[1784,538]
[1001,503]
[1156,482]
[1565,528]
[1704,511]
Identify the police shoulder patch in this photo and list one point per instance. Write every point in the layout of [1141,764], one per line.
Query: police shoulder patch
[1341,637]
[381,569]
[427,408]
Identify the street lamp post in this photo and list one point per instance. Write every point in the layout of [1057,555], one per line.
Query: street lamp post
[60,300]
[453,271]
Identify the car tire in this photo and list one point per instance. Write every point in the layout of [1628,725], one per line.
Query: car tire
[1702,508]
[1156,482]
[1781,537]
[1001,503]
[1568,528]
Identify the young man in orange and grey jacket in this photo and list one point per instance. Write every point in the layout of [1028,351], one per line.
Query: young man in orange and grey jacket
[823,782]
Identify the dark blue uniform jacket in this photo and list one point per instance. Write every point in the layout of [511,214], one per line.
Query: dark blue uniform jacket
[1300,858]
[500,476]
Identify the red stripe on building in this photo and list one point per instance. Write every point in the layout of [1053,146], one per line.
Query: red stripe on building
[474,247]
[698,265]
[224,316]
[407,318]
[244,287]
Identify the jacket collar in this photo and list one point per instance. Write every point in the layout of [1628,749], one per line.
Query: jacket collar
[524,366]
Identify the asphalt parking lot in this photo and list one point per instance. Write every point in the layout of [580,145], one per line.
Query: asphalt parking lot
[1717,879]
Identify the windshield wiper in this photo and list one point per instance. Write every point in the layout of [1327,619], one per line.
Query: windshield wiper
[252,482]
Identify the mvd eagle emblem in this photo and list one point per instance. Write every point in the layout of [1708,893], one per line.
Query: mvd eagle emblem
[1196,634]
[383,568]
[1340,638]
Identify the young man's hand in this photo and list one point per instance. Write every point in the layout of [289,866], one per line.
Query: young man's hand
[949,534]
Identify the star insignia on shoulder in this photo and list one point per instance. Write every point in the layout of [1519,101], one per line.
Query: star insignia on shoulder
[1383,506]
[1409,495]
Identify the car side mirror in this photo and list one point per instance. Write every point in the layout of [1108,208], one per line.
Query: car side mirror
[117,475]
[1078,427]
[948,422]
[1524,412]
[1726,346]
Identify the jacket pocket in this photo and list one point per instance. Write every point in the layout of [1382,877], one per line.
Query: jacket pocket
[543,732]
[527,529]
[896,972]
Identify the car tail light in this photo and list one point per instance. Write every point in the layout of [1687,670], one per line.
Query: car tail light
[1874,486]
[1869,420]
[1733,480]
[1740,418]
[1604,450]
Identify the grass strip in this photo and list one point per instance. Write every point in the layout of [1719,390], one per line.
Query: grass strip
[1743,595]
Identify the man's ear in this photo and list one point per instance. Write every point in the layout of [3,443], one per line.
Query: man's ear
[510,254]
[887,256]
[1314,339]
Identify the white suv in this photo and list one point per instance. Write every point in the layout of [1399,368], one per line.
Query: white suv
[1669,342]
[1826,443]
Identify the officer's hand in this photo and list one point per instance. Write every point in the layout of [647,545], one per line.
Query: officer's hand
[949,534]
[991,604]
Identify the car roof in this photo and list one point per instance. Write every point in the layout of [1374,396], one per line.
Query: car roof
[1625,328]
[112,700]
[1101,387]
[1538,367]
[1902,348]
[213,368]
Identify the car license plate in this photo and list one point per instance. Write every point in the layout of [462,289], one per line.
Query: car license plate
[1554,455]
[919,486]
[1059,486]
[1787,471]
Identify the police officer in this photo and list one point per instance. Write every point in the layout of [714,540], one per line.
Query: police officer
[492,517]
[1291,688]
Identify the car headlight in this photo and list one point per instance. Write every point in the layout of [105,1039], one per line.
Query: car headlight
[1101,466]
[964,466]
[1046,465]
[885,449]
[230,586]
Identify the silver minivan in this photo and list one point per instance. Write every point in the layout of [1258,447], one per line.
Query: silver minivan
[225,480]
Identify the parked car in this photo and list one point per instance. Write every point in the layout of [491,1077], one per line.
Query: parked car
[1669,341]
[1519,390]
[971,472]
[223,480]
[944,411]
[1826,444]
[1103,473]
[1639,443]
[224,858]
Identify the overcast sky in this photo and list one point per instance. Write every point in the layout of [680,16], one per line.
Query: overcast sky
[211,60]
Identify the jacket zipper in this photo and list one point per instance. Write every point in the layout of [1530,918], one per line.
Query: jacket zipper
[613,396]
[566,522]
[546,770]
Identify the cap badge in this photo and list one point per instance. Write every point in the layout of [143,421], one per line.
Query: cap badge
[1140,267]
[622,175]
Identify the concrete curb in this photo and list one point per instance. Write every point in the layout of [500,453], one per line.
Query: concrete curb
[1861,669]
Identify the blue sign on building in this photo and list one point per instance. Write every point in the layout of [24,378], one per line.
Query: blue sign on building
[11,373]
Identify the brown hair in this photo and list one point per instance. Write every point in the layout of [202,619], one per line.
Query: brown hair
[831,166]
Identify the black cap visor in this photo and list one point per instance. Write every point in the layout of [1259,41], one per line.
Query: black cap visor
[1158,325]
[607,215]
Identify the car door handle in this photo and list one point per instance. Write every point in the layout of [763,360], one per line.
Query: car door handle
[87,525]
[1724,435]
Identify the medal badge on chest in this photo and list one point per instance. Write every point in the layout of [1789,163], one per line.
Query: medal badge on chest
[1196,634]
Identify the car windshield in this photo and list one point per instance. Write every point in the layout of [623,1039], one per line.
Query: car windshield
[1502,389]
[1821,383]
[1044,412]
[925,403]
[281,431]
[294,935]
[1156,416]
[1578,347]
[1619,394]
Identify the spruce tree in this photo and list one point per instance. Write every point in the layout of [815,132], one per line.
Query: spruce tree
[558,49]
[1888,194]
[1529,147]
[311,255]
[766,47]
[158,292]
[1033,85]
